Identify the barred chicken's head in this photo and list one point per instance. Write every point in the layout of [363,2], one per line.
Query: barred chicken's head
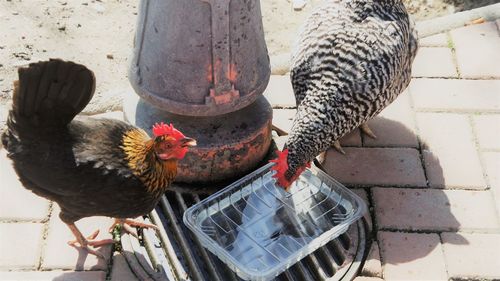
[284,175]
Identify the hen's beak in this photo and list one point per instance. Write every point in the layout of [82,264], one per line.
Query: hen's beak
[188,142]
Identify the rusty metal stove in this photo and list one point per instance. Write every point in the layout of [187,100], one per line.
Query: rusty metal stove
[203,66]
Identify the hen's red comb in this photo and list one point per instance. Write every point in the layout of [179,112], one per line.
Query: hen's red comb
[162,129]
[281,167]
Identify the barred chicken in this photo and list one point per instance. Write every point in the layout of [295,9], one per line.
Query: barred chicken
[352,59]
[89,166]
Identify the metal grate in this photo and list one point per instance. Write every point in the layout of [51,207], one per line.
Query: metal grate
[176,254]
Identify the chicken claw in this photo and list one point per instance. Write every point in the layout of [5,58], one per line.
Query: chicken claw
[84,243]
[338,147]
[365,129]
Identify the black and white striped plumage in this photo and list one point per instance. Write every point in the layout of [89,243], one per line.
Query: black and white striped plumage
[353,58]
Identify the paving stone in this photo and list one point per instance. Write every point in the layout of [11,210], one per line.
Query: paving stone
[411,256]
[33,208]
[58,255]
[373,266]
[437,40]
[56,275]
[434,62]
[472,255]
[279,91]
[491,162]
[487,128]
[283,118]
[376,166]
[363,278]
[456,95]
[20,245]
[362,193]
[121,271]
[434,210]
[450,156]
[118,115]
[394,126]
[352,138]
[477,47]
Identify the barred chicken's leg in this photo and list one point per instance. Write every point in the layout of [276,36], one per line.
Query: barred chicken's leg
[338,147]
[365,129]
[279,131]
[89,241]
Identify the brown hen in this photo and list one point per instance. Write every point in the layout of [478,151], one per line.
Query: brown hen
[89,166]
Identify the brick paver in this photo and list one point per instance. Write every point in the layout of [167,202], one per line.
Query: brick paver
[13,192]
[487,128]
[434,210]
[363,278]
[279,91]
[373,266]
[362,193]
[434,62]
[451,159]
[20,245]
[456,95]
[437,40]
[477,49]
[394,126]
[121,271]
[283,118]
[411,256]
[56,275]
[376,166]
[472,255]
[491,162]
[58,255]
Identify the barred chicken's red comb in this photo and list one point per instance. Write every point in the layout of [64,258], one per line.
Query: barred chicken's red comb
[162,129]
[281,167]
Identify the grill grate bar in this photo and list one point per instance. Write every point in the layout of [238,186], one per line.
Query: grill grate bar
[229,273]
[314,264]
[210,266]
[167,245]
[195,271]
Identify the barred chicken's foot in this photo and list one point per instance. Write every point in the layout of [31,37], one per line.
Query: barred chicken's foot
[279,131]
[338,147]
[84,243]
[365,129]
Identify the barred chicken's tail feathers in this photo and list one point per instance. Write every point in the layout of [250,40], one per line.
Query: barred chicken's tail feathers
[50,94]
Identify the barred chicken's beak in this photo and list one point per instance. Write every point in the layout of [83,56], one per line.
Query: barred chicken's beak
[188,142]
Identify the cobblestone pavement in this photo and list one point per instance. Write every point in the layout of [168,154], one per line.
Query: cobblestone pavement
[431,178]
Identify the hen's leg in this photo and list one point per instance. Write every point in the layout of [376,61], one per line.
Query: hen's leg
[365,129]
[89,241]
[127,223]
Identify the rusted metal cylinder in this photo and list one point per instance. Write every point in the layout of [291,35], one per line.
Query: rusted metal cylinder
[228,145]
[199,57]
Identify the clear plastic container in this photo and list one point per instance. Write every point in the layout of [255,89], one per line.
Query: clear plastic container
[259,230]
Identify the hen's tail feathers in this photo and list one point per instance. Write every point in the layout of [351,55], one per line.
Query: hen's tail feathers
[51,93]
